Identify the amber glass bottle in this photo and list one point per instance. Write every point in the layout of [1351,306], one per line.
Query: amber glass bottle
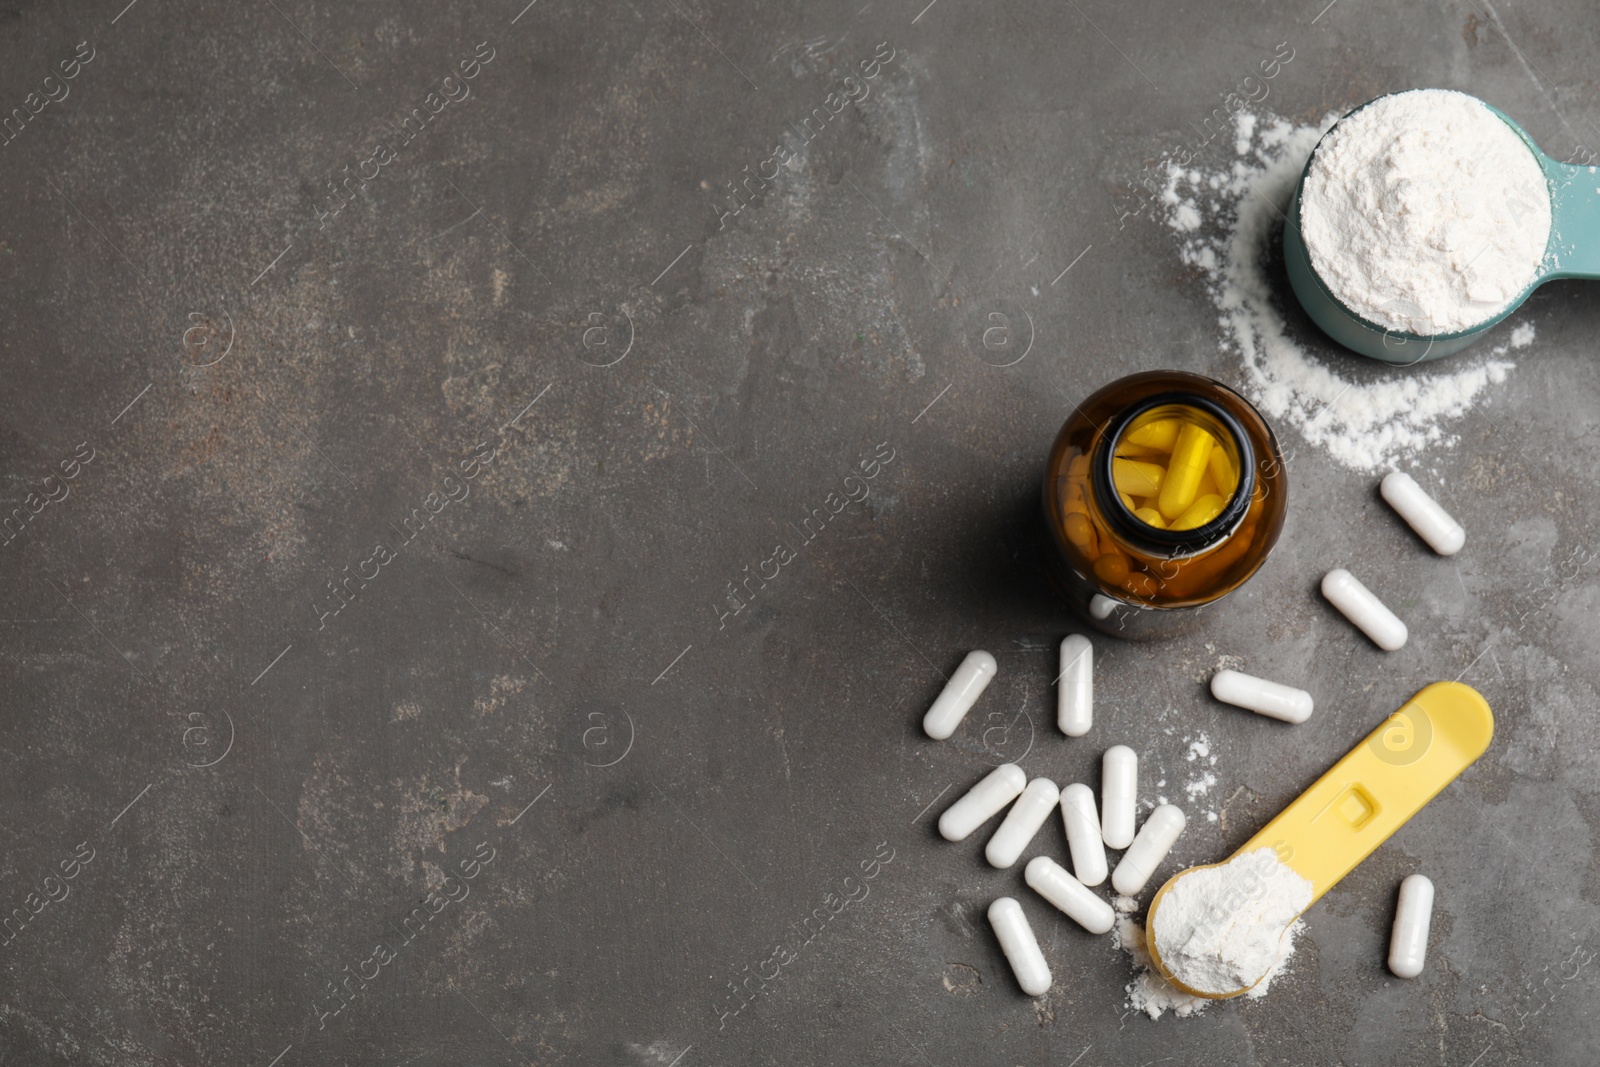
[1164,491]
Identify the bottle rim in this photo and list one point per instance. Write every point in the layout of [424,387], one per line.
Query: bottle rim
[1140,534]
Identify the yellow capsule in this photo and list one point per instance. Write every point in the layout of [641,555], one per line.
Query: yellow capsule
[1159,434]
[1149,455]
[1078,466]
[1078,530]
[1150,517]
[1208,484]
[1127,501]
[1074,501]
[1199,573]
[1189,457]
[1140,585]
[1136,478]
[1222,472]
[1111,568]
[1199,513]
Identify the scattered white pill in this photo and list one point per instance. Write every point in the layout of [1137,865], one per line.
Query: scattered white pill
[1029,813]
[1075,687]
[1261,696]
[1083,834]
[1020,946]
[1423,513]
[1408,946]
[1356,603]
[1119,793]
[1101,606]
[960,693]
[1155,838]
[1051,881]
[997,789]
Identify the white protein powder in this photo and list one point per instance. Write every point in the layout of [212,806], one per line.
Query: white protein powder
[1365,416]
[1219,929]
[1149,992]
[1424,212]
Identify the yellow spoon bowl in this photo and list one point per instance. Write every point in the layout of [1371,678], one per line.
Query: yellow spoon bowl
[1365,797]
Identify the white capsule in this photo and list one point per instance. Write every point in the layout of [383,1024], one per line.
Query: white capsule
[1020,946]
[1356,603]
[1155,838]
[959,694]
[1119,793]
[1075,687]
[1051,881]
[1083,834]
[1408,946]
[1423,513]
[1101,606]
[997,789]
[1261,696]
[1030,811]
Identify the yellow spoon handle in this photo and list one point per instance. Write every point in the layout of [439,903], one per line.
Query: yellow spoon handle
[1378,785]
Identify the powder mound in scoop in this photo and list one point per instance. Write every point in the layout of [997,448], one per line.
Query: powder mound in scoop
[1220,929]
[1424,212]
[1363,418]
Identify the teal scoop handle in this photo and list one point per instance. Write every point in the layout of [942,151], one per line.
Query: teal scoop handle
[1574,248]
[1573,251]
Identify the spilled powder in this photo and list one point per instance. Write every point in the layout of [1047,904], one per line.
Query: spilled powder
[1201,778]
[1365,415]
[1149,992]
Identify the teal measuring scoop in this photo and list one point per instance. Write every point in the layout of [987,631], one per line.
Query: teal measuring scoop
[1573,251]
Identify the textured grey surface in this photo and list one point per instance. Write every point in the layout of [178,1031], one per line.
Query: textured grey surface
[299,779]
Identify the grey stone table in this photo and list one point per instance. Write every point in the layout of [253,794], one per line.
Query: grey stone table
[398,404]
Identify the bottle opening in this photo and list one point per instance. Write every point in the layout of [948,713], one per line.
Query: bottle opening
[1174,474]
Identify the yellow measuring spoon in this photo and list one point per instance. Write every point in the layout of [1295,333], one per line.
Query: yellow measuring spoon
[1365,797]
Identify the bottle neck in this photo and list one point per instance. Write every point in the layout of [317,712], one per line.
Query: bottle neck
[1139,536]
